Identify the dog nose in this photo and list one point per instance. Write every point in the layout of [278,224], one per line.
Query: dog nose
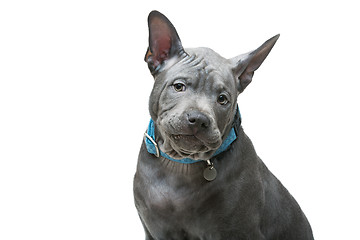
[197,121]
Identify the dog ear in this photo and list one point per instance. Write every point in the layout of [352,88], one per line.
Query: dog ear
[164,42]
[246,64]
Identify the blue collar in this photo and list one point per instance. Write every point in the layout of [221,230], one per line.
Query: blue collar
[152,147]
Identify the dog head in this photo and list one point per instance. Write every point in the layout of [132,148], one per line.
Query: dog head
[194,98]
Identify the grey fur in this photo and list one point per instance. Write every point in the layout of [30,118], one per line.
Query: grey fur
[174,201]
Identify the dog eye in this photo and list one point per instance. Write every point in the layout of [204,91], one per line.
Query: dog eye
[179,87]
[222,99]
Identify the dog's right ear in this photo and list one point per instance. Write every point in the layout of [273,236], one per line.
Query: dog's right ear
[164,42]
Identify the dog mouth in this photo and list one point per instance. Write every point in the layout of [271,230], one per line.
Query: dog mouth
[188,143]
[191,142]
[184,146]
[181,137]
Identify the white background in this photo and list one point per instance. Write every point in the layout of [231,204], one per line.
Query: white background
[73,107]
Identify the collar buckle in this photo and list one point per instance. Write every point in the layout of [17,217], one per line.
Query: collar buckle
[146,135]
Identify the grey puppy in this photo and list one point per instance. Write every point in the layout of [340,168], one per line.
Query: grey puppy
[198,175]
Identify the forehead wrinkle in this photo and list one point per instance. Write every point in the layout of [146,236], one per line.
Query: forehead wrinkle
[188,67]
[192,62]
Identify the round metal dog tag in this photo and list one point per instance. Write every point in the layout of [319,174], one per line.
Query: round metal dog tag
[210,173]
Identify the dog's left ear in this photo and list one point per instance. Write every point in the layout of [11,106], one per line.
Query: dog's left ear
[246,64]
[164,42]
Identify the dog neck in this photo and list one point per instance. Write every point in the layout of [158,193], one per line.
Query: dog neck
[152,146]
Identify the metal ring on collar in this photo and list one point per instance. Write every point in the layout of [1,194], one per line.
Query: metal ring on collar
[153,142]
